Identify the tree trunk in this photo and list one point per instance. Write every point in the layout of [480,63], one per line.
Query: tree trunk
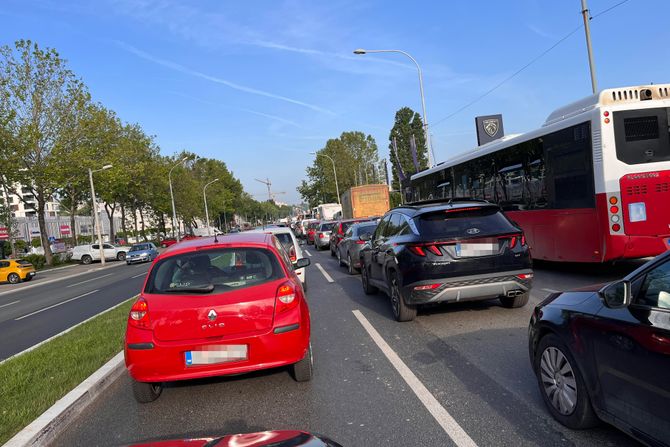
[44,237]
[144,232]
[109,210]
[123,221]
[73,211]
[162,224]
[135,223]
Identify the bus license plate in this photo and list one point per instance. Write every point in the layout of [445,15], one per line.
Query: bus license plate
[216,354]
[471,250]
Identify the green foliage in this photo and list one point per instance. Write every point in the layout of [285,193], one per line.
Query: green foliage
[38,261]
[36,242]
[407,123]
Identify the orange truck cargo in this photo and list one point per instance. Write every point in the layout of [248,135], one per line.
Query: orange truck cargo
[365,201]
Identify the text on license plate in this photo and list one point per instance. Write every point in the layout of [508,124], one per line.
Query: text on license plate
[476,249]
[216,354]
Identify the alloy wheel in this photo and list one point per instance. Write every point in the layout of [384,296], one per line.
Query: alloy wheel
[395,297]
[558,380]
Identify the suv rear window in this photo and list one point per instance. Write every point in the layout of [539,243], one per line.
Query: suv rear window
[468,223]
[217,270]
[326,227]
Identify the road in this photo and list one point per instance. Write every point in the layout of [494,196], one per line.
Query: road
[471,359]
[56,300]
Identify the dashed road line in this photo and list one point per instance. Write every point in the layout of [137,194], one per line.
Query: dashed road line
[307,253]
[441,415]
[88,280]
[56,305]
[137,276]
[324,273]
[9,304]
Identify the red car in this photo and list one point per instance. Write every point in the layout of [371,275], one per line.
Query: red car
[213,307]
[167,242]
[311,231]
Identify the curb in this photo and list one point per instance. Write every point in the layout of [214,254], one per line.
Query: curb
[50,424]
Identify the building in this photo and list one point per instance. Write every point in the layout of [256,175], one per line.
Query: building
[24,204]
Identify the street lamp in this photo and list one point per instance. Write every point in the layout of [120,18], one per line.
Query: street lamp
[95,211]
[204,195]
[337,188]
[431,155]
[174,211]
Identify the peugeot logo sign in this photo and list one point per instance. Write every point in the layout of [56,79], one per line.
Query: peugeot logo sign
[212,315]
[473,231]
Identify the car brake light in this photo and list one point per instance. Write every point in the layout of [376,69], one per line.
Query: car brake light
[512,242]
[285,298]
[139,314]
[523,240]
[434,250]
[292,255]
[525,276]
[320,235]
[417,250]
[427,287]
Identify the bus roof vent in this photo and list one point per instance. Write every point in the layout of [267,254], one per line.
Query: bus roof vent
[624,95]
[663,92]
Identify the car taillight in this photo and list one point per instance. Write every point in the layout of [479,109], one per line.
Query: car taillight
[291,254]
[320,235]
[360,242]
[512,242]
[286,298]
[417,250]
[525,276]
[523,240]
[139,314]
[420,250]
[427,287]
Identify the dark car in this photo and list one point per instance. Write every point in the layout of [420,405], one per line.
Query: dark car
[604,353]
[438,251]
[348,250]
[337,232]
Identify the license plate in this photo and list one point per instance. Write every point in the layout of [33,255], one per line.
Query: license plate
[216,354]
[31,274]
[471,250]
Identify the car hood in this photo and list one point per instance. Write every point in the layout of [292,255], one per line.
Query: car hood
[569,298]
[277,438]
[139,252]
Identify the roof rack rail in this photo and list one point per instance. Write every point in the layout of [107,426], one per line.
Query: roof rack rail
[444,201]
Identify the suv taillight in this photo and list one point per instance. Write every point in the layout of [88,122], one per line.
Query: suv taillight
[286,298]
[139,314]
[420,250]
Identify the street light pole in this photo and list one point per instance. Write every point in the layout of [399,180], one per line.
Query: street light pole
[174,211]
[337,188]
[95,212]
[587,30]
[431,155]
[204,195]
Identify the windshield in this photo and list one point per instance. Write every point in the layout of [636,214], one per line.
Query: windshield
[140,247]
[326,227]
[217,270]
[470,223]
[642,135]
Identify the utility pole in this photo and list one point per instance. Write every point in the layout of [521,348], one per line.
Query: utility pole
[587,30]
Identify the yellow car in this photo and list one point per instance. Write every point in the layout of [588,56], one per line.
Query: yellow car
[13,271]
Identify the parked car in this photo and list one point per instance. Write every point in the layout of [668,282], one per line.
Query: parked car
[213,307]
[168,241]
[91,252]
[339,228]
[311,231]
[446,252]
[291,244]
[14,271]
[348,250]
[322,235]
[604,353]
[145,252]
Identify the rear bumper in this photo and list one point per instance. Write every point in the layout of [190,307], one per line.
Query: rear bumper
[619,247]
[156,361]
[27,274]
[322,242]
[468,288]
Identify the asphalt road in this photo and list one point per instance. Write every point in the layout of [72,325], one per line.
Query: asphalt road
[56,300]
[471,360]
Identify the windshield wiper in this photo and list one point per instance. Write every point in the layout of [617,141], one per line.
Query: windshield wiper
[208,288]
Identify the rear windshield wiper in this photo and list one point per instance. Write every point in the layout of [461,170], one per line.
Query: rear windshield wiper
[198,289]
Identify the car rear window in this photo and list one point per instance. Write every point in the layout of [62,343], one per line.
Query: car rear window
[365,230]
[467,223]
[218,270]
[326,227]
[139,247]
[23,262]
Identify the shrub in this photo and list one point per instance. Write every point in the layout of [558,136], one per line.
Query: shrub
[38,261]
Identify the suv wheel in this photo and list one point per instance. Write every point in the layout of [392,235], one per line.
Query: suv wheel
[86,259]
[515,301]
[561,384]
[146,392]
[365,281]
[401,311]
[121,256]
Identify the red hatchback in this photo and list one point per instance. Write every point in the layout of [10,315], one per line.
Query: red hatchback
[214,307]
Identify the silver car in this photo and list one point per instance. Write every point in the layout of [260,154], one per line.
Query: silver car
[348,250]
[322,235]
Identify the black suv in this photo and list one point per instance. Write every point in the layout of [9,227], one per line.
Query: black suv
[435,251]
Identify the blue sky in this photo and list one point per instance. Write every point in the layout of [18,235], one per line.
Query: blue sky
[261,84]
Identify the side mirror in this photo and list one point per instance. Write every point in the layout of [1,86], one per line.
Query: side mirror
[300,263]
[365,237]
[616,295]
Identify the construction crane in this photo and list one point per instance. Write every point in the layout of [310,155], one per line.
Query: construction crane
[268,183]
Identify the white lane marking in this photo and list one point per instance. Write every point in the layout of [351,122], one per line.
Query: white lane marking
[9,304]
[88,280]
[307,253]
[137,276]
[56,305]
[551,290]
[446,421]
[65,331]
[325,273]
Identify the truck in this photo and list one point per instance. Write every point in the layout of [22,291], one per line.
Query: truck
[365,201]
[327,211]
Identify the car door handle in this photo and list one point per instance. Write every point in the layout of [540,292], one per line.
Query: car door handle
[660,339]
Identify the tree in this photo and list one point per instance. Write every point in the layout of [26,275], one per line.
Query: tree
[42,98]
[407,123]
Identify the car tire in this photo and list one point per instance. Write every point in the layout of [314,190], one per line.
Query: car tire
[303,370]
[582,415]
[339,259]
[127,263]
[365,281]
[350,267]
[332,252]
[121,256]
[13,278]
[145,392]
[86,259]
[401,311]
[27,278]
[512,302]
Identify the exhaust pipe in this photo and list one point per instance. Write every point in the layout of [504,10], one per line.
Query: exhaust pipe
[513,293]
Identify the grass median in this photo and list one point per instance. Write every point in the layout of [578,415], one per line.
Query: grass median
[32,382]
